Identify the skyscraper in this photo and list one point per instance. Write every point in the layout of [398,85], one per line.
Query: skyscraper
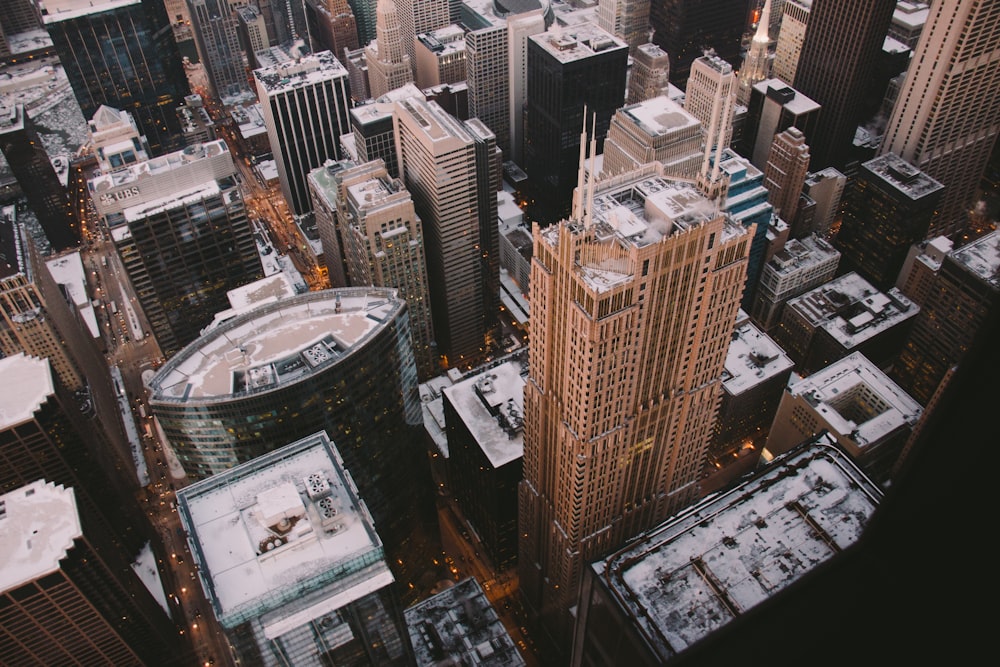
[624,381]
[887,209]
[711,98]
[786,170]
[451,169]
[757,61]
[366,19]
[389,65]
[519,28]
[839,53]
[305,104]
[945,121]
[67,595]
[122,54]
[367,223]
[573,74]
[488,69]
[214,26]
[657,129]
[626,19]
[788,48]
[650,75]
[332,26]
[686,28]
[46,194]
[417,17]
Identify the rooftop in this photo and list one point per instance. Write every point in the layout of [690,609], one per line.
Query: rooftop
[857,400]
[753,358]
[577,42]
[982,258]
[660,115]
[713,562]
[902,176]
[26,387]
[458,626]
[62,10]
[275,343]
[38,524]
[306,70]
[791,99]
[491,405]
[279,527]
[801,253]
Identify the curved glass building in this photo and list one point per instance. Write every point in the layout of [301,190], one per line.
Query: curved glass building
[339,361]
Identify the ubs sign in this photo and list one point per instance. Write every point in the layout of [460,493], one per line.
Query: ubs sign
[111,197]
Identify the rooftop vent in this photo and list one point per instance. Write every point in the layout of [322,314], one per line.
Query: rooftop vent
[317,485]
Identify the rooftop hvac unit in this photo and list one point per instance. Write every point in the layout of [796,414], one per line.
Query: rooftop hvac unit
[317,485]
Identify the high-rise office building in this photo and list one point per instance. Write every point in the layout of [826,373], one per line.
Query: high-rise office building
[365,16]
[338,361]
[214,25]
[520,26]
[945,119]
[68,596]
[451,169]
[786,170]
[145,77]
[417,17]
[389,65]
[183,237]
[305,104]
[799,266]
[650,75]
[292,563]
[440,57]
[46,193]
[826,188]
[367,223]
[575,75]
[746,203]
[965,296]
[659,130]
[687,28]
[774,107]
[923,261]
[841,47]
[887,209]
[624,383]
[788,46]
[115,139]
[627,20]
[332,26]
[711,98]
[488,68]
[373,131]
[757,61]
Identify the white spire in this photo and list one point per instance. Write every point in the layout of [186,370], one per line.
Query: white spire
[757,62]
[764,23]
[578,193]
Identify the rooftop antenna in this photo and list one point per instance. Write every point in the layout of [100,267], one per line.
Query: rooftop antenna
[578,193]
[593,177]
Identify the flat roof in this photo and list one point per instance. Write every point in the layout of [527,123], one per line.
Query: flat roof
[275,344]
[713,562]
[62,10]
[432,407]
[982,258]
[577,42]
[27,384]
[798,254]
[660,115]
[491,405]
[753,358]
[902,176]
[302,71]
[798,104]
[268,531]
[38,524]
[835,391]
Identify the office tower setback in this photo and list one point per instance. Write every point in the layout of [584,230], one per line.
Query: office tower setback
[214,24]
[389,64]
[842,316]
[338,361]
[32,167]
[291,562]
[757,61]
[695,574]
[460,626]
[484,418]
[659,130]
[841,47]
[305,104]
[440,57]
[785,172]
[628,20]
[945,119]
[888,208]
[964,298]
[575,76]
[746,203]
[788,47]
[371,235]
[416,17]
[144,77]
[799,266]
[372,127]
[686,29]
[650,75]
[451,169]
[67,594]
[624,382]
[775,107]
[857,404]
[180,226]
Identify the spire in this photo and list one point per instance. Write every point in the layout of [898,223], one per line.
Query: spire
[757,62]
[763,24]
[578,193]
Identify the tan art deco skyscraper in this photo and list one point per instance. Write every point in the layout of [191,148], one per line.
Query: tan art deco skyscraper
[633,304]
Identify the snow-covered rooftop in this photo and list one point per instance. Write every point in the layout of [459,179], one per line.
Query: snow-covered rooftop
[432,406]
[857,400]
[278,527]
[307,70]
[797,103]
[712,563]
[62,10]
[577,42]
[27,384]
[660,115]
[276,343]
[491,405]
[38,524]
[68,271]
[982,258]
[902,176]
[753,358]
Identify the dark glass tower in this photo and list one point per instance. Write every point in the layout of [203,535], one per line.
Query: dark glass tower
[836,65]
[685,28]
[122,55]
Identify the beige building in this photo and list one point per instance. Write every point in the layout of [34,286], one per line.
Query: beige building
[788,48]
[650,75]
[633,302]
[389,62]
[626,19]
[440,57]
[659,130]
[367,223]
[786,171]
